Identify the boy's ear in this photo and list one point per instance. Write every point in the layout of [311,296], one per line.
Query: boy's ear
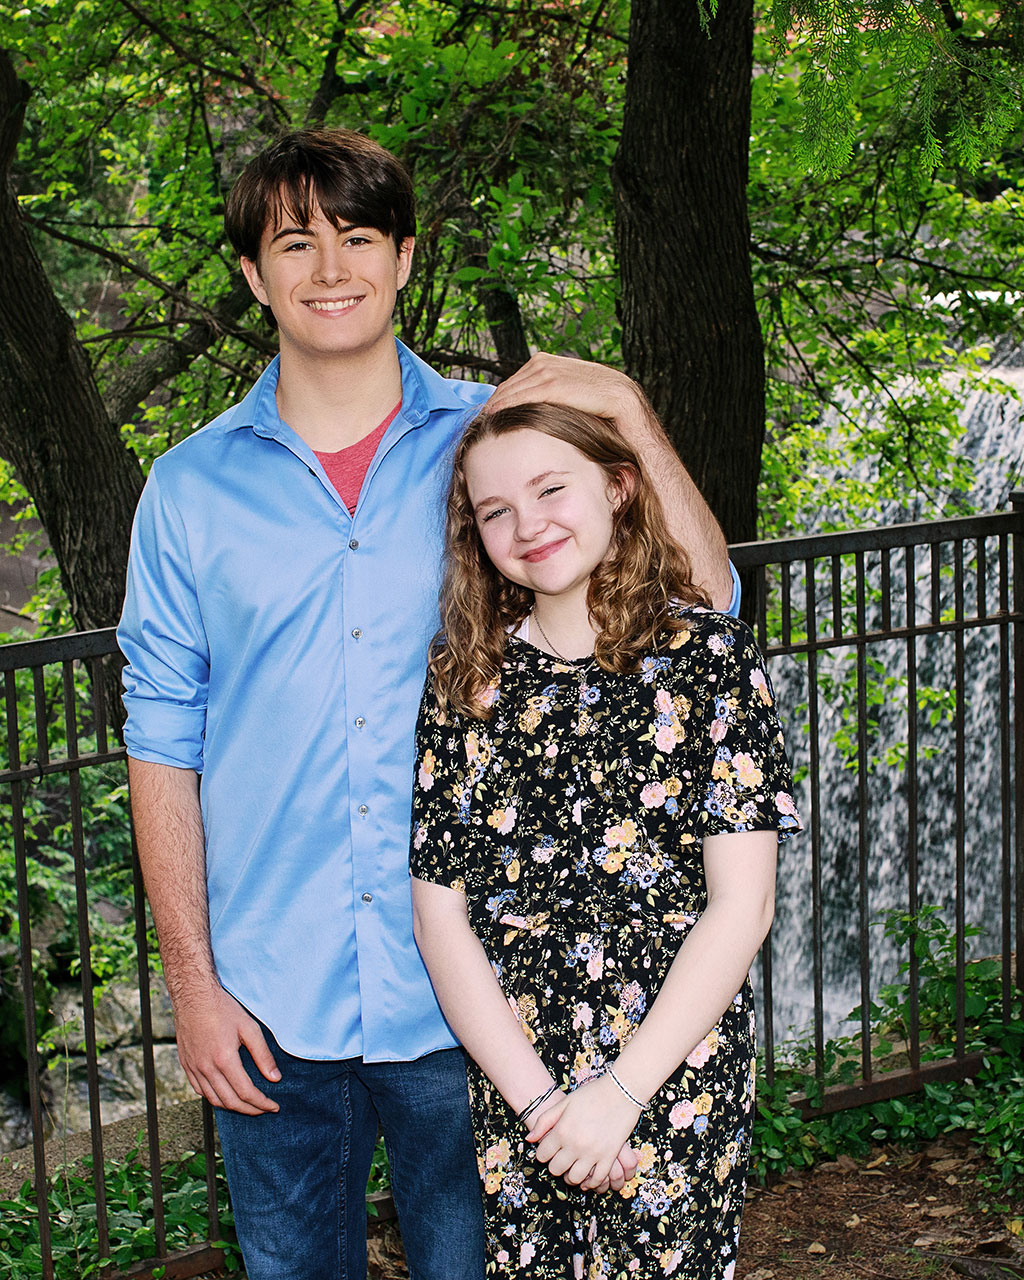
[255,281]
[405,259]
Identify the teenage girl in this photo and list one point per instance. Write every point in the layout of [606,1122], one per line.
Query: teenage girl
[601,788]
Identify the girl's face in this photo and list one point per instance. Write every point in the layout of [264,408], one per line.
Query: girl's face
[544,511]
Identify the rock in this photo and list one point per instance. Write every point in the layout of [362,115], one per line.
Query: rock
[122,1090]
[118,1017]
[15,1122]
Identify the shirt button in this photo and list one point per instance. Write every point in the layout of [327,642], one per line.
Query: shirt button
[360,722]
[356,632]
[354,544]
[367,897]
[364,809]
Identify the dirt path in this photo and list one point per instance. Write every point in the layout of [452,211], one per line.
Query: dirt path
[894,1216]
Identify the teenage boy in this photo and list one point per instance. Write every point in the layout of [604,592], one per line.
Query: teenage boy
[282,589]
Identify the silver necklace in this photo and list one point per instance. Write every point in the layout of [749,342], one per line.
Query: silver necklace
[547,640]
[585,720]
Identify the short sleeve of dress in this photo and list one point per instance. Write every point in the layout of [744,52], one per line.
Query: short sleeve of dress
[447,770]
[746,783]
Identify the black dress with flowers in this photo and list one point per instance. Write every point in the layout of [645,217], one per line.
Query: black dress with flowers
[573,820]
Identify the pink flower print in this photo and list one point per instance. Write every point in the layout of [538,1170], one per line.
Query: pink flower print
[718,730]
[663,701]
[785,804]
[502,1256]
[653,795]
[700,1054]
[551,750]
[426,773]
[526,1252]
[759,682]
[577,1266]
[584,1017]
[748,773]
[595,965]
[665,738]
[682,1114]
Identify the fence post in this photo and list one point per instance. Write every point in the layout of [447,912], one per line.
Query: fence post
[1017,603]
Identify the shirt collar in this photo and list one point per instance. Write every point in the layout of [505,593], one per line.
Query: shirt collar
[423,391]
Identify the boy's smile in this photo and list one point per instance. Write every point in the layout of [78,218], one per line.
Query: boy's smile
[332,289]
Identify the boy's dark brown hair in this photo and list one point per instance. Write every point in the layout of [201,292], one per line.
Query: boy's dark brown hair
[353,179]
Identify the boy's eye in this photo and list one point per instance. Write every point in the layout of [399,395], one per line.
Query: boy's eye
[296,244]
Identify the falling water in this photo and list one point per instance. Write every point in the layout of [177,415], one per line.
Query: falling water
[994,441]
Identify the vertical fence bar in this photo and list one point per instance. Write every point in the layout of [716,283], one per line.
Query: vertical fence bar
[27,983]
[1017,501]
[959,687]
[863,903]
[913,903]
[1006,782]
[817,930]
[85,953]
[148,1067]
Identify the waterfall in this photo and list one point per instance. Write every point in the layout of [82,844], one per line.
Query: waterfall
[994,442]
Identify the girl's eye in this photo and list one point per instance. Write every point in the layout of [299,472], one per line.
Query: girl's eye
[552,488]
[491,514]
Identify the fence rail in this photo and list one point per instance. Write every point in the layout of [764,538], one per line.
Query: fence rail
[891,651]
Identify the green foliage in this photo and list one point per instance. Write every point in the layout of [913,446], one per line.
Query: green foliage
[989,1109]
[886,253]
[73,1221]
[50,872]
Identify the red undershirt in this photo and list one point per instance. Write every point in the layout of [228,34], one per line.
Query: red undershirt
[346,469]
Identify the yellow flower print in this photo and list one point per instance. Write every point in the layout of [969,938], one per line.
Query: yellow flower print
[512,870]
[720,770]
[492,1182]
[647,1155]
[673,786]
[702,1104]
[723,1167]
[503,820]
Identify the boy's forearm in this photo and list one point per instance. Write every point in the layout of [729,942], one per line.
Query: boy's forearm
[169,833]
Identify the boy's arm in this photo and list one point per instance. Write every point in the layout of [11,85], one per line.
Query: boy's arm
[211,1026]
[596,388]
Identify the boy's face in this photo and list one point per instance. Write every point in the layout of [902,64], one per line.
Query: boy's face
[332,291]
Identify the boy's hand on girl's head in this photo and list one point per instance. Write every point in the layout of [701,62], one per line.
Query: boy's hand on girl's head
[584,1137]
[581,384]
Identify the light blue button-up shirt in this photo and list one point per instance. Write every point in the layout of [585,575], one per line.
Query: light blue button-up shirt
[277,645]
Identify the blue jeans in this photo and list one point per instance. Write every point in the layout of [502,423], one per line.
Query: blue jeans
[298,1176]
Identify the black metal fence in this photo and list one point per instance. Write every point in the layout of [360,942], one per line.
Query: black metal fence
[895,653]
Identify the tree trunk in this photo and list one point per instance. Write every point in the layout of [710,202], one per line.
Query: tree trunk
[691,335]
[54,428]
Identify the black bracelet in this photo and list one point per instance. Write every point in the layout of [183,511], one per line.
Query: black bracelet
[532,1106]
[622,1088]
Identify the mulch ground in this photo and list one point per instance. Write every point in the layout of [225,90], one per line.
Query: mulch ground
[893,1216]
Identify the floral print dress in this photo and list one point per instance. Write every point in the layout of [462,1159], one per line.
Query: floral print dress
[572,820]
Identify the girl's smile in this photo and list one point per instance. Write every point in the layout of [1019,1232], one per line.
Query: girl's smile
[545,512]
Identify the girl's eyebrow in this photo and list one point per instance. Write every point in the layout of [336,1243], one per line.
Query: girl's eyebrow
[530,484]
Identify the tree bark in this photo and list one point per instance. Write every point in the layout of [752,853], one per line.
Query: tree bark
[54,428]
[691,335]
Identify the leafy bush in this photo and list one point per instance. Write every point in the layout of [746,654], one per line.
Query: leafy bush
[989,1108]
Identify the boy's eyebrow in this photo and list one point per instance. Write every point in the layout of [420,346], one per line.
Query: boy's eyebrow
[530,484]
[344,229]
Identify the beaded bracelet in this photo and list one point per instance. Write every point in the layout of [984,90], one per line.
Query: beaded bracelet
[644,1106]
[531,1107]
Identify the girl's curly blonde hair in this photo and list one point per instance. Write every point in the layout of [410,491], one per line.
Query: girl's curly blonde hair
[632,594]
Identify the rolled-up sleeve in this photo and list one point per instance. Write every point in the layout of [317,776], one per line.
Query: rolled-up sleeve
[161,634]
